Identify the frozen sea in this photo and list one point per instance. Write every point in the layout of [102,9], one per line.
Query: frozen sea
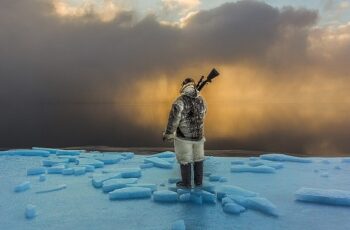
[52,200]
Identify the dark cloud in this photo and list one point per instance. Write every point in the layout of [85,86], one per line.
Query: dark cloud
[60,75]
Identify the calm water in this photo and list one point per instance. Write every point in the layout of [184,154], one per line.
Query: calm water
[288,127]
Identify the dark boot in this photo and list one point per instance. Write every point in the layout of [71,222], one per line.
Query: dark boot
[198,173]
[185,176]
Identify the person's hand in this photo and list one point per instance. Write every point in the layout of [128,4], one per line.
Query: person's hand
[168,137]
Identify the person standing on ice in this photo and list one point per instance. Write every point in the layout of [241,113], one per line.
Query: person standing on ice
[186,128]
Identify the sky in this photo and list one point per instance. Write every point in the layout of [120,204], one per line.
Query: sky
[97,72]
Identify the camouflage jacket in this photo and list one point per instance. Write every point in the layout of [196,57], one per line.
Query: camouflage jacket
[186,117]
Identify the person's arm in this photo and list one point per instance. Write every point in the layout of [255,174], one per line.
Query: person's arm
[173,120]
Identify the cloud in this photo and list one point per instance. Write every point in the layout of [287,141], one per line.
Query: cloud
[60,78]
[105,11]
[182,6]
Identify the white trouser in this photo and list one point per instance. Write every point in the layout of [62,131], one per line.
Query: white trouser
[189,151]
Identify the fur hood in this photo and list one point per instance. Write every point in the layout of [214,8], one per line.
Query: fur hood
[190,90]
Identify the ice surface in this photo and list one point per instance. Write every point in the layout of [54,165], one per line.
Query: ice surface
[110,185]
[61,152]
[173,180]
[208,197]
[259,204]
[130,172]
[146,165]
[68,171]
[223,179]
[337,167]
[30,211]
[234,190]
[165,196]
[36,171]
[57,188]
[166,154]
[258,169]
[214,178]
[324,174]
[127,155]
[255,163]
[178,225]
[233,208]
[55,151]
[325,161]
[324,196]
[76,206]
[25,152]
[275,165]
[153,187]
[90,161]
[79,170]
[208,187]
[89,168]
[52,162]
[237,162]
[284,157]
[226,200]
[196,198]
[97,180]
[130,193]
[346,160]
[42,177]
[58,169]
[159,162]
[186,197]
[23,186]
[253,158]
[109,159]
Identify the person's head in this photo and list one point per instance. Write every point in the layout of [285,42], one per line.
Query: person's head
[187,81]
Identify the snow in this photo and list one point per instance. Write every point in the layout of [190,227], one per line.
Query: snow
[323,196]
[130,193]
[284,157]
[165,196]
[251,169]
[266,200]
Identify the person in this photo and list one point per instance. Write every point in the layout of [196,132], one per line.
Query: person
[186,128]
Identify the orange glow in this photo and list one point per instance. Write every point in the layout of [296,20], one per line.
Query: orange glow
[242,105]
